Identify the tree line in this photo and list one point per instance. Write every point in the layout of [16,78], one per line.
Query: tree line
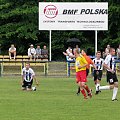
[19,25]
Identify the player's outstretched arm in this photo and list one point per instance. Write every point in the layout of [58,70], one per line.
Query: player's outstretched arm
[36,81]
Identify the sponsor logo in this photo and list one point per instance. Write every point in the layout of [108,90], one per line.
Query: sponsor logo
[50,11]
[85,11]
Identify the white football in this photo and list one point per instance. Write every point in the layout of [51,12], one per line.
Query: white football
[34,88]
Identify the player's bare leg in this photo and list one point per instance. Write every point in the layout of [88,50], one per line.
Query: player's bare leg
[97,85]
[29,89]
[115,90]
[89,91]
[23,88]
[108,87]
[78,92]
[81,84]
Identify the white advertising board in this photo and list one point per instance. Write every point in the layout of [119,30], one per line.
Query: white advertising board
[73,16]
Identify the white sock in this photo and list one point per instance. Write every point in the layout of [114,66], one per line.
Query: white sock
[115,90]
[104,88]
[97,85]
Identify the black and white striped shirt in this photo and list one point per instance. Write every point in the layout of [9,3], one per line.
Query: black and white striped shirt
[28,74]
[98,63]
[110,61]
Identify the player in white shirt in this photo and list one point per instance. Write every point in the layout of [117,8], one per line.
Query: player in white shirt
[28,75]
[109,64]
[98,61]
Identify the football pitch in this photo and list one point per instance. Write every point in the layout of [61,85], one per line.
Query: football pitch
[55,99]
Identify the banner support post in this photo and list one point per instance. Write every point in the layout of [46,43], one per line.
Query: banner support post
[95,41]
[50,45]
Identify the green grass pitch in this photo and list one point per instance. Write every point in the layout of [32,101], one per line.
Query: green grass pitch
[55,99]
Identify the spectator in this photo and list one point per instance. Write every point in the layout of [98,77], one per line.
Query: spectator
[118,52]
[103,55]
[12,51]
[77,47]
[45,52]
[68,51]
[107,50]
[31,52]
[38,52]
[69,55]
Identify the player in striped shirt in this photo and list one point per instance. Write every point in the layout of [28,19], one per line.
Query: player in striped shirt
[27,77]
[109,64]
[98,61]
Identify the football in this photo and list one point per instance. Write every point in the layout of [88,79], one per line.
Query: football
[34,88]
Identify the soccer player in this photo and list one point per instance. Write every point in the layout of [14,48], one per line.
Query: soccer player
[27,78]
[98,61]
[109,64]
[80,66]
[90,62]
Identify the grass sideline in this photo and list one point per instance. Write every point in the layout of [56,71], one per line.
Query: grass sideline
[55,99]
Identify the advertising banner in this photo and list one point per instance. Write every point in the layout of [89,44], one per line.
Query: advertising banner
[73,16]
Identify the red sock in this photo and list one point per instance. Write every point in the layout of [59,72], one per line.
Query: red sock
[87,89]
[83,92]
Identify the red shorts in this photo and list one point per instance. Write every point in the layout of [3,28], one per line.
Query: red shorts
[81,76]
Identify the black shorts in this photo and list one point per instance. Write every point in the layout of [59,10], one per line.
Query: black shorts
[12,54]
[27,84]
[97,76]
[111,77]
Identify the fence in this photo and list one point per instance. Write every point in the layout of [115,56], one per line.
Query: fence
[42,68]
[72,63]
[14,66]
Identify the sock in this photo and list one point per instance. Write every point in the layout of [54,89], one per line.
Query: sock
[87,89]
[115,90]
[78,90]
[104,88]
[83,92]
[97,85]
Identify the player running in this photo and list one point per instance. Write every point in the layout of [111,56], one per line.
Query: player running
[80,66]
[98,61]
[27,78]
[90,62]
[109,64]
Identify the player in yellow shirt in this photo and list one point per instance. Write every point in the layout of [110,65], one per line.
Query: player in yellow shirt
[80,66]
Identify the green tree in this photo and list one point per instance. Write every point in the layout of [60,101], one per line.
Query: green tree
[19,25]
